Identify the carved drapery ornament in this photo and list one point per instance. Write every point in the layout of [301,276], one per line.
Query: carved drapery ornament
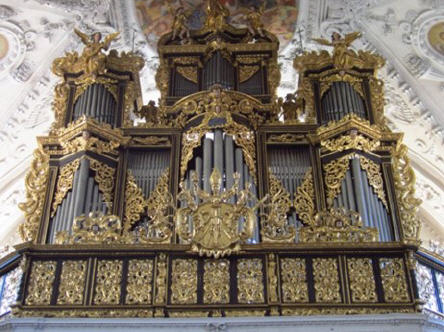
[36,182]
[355,82]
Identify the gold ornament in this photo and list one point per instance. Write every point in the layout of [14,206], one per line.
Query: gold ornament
[108,279]
[216,281]
[41,282]
[394,280]
[362,280]
[304,201]
[326,280]
[36,182]
[250,281]
[140,277]
[64,183]
[72,282]
[374,175]
[294,280]
[334,173]
[184,281]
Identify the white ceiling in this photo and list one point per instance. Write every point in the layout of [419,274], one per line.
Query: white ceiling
[40,30]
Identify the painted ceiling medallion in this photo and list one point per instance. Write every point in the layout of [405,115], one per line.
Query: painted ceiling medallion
[436,37]
[12,47]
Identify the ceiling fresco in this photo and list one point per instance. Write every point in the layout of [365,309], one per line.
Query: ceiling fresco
[155,18]
[436,37]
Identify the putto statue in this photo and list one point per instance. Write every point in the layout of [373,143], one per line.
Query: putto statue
[180,26]
[216,15]
[254,22]
[92,54]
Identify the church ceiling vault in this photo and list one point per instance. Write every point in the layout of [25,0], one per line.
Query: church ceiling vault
[410,37]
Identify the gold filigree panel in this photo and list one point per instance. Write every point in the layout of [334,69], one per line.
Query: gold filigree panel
[139,281]
[105,178]
[216,281]
[250,281]
[294,280]
[41,282]
[394,281]
[334,173]
[108,279]
[64,183]
[72,282]
[374,175]
[304,201]
[184,281]
[362,280]
[161,279]
[326,280]
[275,224]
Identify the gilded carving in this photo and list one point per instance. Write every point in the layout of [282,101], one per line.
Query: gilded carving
[374,175]
[272,278]
[150,140]
[184,281]
[351,141]
[139,279]
[161,279]
[405,193]
[275,224]
[105,178]
[215,227]
[108,280]
[377,100]
[64,183]
[134,202]
[356,82]
[61,92]
[337,225]
[250,281]
[93,228]
[41,282]
[216,281]
[285,138]
[72,282]
[304,201]
[294,280]
[326,280]
[36,182]
[362,280]
[394,281]
[334,173]
[87,142]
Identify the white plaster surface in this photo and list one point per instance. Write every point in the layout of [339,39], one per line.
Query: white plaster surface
[355,323]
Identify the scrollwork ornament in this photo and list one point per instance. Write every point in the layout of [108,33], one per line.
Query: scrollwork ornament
[275,224]
[394,281]
[140,277]
[272,278]
[356,83]
[72,282]
[250,287]
[216,281]
[64,183]
[294,280]
[184,281]
[352,141]
[374,177]
[304,201]
[108,280]
[326,280]
[105,178]
[41,282]
[134,202]
[161,279]
[36,182]
[405,180]
[362,281]
[334,172]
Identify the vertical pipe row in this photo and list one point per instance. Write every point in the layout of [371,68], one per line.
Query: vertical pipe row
[207,163]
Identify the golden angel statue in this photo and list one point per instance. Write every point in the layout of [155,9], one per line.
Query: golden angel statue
[92,55]
[341,52]
[180,26]
[217,15]
[254,22]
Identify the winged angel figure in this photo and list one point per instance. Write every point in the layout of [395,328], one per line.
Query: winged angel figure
[253,18]
[92,55]
[180,26]
[341,54]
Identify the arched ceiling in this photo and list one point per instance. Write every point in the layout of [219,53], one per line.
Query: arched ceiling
[409,34]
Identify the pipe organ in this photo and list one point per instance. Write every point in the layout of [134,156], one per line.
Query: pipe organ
[225,200]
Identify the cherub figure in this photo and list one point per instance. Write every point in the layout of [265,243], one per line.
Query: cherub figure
[341,53]
[254,23]
[150,112]
[92,54]
[180,26]
[217,15]
[291,107]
